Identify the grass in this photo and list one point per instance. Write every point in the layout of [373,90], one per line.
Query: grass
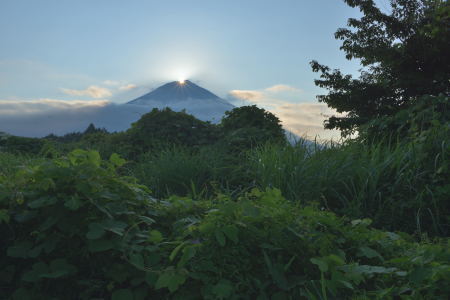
[392,184]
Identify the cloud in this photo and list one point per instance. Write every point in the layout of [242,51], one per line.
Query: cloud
[127,87]
[306,119]
[42,106]
[41,117]
[92,91]
[282,88]
[248,95]
[303,119]
[38,118]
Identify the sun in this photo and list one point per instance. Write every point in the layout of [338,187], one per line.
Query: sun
[181,81]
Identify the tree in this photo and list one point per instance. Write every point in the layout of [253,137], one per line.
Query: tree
[404,54]
[168,126]
[249,126]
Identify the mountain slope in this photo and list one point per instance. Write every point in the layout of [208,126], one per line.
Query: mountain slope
[174,92]
[188,96]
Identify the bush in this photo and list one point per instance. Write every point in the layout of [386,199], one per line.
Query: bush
[72,228]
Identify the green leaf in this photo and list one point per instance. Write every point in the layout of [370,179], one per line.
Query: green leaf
[220,237]
[116,160]
[4,216]
[369,252]
[117,227]
[323,266]
[122,294]
[94,157]
[231,231]
[176,250]
[73,203]
[96,231]
[155,237]
[224,289]
[41,202]
[419,274]
[99,245]
[137,260]
[171,280]
[188,253]
[36,272]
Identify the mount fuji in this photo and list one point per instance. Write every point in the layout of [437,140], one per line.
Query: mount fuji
[186,95]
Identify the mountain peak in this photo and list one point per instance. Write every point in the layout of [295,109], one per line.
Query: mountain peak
[176,91]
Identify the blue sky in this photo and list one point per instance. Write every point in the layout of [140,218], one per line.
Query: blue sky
[52,49]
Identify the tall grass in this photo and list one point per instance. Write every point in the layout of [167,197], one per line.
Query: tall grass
[390,183]
[186,171]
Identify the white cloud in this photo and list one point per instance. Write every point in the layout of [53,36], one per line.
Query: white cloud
[41,117]
[249,95]
[127,87]
[92,91]
[23,107]
[306,119]
[282,88]
[303,119]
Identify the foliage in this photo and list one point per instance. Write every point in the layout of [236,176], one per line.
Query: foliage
[405,55]
[421,120]
[162,126]
[70,225]
[249,126]
[72,228]
[400,185]
[21,145]
[185,171]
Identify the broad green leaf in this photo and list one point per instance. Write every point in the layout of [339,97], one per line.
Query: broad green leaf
[171,280]
[369,252]
[99,245]
[175,251]
[419,274]
[220,237]
[59,267]
[231,231]
[323,266]
[94,157]
[122,294]
[188,253]
[73,203]
[117,227]
[137,260]
[41,202]
[36,272]
[4,216]
[155,236]
[96,231]
[117,160]
[223,289]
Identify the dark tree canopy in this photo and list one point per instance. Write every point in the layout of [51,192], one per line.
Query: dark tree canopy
[404,54]
[167,125]
[249,126]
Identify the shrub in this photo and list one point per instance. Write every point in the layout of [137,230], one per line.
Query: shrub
[71,228]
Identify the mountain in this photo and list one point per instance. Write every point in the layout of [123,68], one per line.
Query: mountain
[188,96]
[174,92]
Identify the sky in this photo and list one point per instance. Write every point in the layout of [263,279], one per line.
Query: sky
[246,51]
